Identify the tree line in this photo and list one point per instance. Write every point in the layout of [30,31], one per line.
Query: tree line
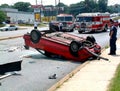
[80,7]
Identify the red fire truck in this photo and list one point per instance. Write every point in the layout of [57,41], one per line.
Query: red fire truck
[92,22]
[64,22]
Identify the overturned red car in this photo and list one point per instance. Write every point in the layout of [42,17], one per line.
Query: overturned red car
[62,44]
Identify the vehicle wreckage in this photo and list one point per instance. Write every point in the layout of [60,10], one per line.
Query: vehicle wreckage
[63,44]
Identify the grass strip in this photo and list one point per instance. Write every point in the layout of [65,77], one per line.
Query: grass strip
[115,82]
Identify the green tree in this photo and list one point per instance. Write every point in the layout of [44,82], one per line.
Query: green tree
[102,5]
[84,7]
[4,6]
[91,5]
[65,8]
[2,17]
[77,8]
[22,6]
[114,8]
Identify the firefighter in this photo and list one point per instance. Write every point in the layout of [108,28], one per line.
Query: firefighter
[113,38]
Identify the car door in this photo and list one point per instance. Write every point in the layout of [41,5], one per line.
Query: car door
[11,27]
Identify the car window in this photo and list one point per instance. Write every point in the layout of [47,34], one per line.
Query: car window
[65,18]
[68,18]
[80,19]
[12,26]
[60,18]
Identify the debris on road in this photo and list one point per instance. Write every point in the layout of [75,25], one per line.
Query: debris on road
[10,67]
[52,76]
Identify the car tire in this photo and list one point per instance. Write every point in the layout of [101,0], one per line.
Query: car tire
[74,48]
[16,29]
[91,39]
[6,29]
[35,36]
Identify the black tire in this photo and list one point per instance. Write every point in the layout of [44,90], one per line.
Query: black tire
[74,48]
[80,31]
[72,30]
[6,29]
[16,29]
[91,39]
[35,36]
[105,28]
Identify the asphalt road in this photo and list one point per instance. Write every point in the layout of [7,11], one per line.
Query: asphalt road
[21,31]
[36,68]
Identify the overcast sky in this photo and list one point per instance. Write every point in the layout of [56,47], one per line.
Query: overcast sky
[52,2]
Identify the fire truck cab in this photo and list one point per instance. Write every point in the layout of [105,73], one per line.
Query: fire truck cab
[64,22]
[92,22]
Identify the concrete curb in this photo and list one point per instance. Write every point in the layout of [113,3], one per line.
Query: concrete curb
[59,83]
[5,38]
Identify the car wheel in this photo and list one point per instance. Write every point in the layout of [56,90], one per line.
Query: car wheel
[80,31]
[105,28]
[35,36]
[16,29]
[71,30]
[6,29]
[91,39]
[74,47]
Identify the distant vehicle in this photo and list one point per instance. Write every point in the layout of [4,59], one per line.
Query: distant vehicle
[9,27]
[92,22]
[116,23]
[64,22]
[62,44]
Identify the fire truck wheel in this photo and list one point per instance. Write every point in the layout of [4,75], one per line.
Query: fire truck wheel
[105,28]
[91,39]
[35,36]
[74,47]
[71,30]
[80,31]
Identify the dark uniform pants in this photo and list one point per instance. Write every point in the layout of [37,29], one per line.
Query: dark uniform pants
[113,46]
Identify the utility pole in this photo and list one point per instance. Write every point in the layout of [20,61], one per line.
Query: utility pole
[36,2]
[41,2]
[40,11]
[59,7]
[56,11]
